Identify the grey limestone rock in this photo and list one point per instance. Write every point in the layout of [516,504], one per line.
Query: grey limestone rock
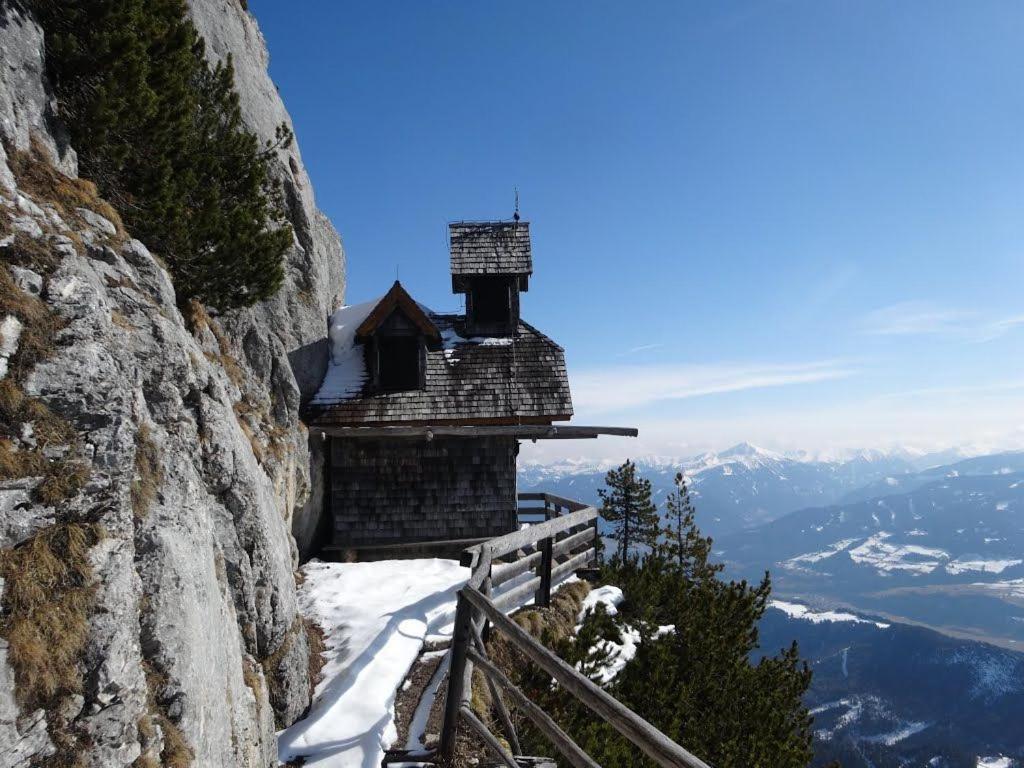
[196,618]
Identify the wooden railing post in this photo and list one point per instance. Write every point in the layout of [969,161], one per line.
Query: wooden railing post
[461,637]
[543,596]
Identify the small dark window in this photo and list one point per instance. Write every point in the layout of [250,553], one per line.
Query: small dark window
[399,361]
[492,300]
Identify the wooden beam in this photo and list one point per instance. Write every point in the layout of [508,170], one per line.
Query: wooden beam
[573,563]
[559,738]
[523,431]
[518,539]
[649,739]
[488,738]
[498,699]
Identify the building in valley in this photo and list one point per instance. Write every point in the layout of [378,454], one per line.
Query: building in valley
[423,412]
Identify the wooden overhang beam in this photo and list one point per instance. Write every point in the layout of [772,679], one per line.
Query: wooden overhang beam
[524,431]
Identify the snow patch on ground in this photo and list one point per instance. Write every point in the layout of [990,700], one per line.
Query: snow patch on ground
[797,611]
[995,762]
[375,618]
[622,652]
[887,557]
[608,596]
[815,557]
[959,566]
[895,737]
[1012,588]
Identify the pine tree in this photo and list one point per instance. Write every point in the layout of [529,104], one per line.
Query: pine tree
[626,504]
[161,134]
[681,542]
[696,682]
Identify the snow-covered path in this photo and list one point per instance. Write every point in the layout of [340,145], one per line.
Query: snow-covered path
[376,617]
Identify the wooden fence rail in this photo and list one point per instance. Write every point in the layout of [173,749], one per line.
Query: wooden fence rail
[568,532]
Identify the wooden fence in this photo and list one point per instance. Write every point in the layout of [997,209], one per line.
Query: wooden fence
[561,541]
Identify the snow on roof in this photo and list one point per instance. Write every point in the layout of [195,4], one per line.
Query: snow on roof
[346,370]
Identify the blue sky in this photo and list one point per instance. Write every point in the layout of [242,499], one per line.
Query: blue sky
[797,223]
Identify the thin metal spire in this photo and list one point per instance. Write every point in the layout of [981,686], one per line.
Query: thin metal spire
[515,215]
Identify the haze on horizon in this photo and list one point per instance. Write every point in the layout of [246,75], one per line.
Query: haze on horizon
[796,224]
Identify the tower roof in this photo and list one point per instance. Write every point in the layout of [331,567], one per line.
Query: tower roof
[490,248]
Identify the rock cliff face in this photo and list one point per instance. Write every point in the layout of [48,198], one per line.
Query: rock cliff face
[183,463]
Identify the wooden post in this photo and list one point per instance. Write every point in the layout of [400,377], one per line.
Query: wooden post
[463,632]
[598,547]
[543,596]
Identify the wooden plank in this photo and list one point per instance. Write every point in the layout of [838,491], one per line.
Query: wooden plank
[456,675]
[499,700]
[571,504]
[567,545]
[488,738]
[506,571]
[406,545]
[649,739]
[569,749]
[543,596]
[573,563]
[430,431]
[519,539]
[515,596]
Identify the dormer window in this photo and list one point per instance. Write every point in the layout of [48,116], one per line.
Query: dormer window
[399,363]
[395,336]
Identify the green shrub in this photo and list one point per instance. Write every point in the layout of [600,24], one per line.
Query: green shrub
[160,132]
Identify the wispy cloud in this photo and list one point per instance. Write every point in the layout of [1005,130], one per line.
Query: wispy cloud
[641,348]
[913,318]
[922,318]
[619,387]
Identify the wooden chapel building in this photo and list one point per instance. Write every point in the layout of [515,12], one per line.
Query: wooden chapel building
[423,412]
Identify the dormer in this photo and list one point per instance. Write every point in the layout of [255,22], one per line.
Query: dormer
[491,264]
[395,337]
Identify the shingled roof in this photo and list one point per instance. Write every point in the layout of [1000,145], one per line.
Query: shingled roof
[490,248]
[517,379]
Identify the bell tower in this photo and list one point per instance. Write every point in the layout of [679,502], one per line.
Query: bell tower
[491,264]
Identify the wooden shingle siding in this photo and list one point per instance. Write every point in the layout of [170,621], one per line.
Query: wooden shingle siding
[519,378]
[391,491]
[490,248]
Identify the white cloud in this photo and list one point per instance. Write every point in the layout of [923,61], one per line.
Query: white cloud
[928,422]
[629,386]
[922,318]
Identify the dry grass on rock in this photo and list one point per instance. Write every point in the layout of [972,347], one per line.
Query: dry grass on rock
[148,472]
[37,177]
[175,751]
[48,595]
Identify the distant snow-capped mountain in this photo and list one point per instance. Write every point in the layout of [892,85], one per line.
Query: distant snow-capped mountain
[733,489]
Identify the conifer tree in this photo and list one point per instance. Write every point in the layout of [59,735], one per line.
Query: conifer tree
[161,134]
[681,542]
[693,676]
[626,504]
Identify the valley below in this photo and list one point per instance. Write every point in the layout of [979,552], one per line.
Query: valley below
[902,580]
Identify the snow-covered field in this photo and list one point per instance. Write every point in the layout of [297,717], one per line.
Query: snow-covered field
[995,762]
[797,611]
